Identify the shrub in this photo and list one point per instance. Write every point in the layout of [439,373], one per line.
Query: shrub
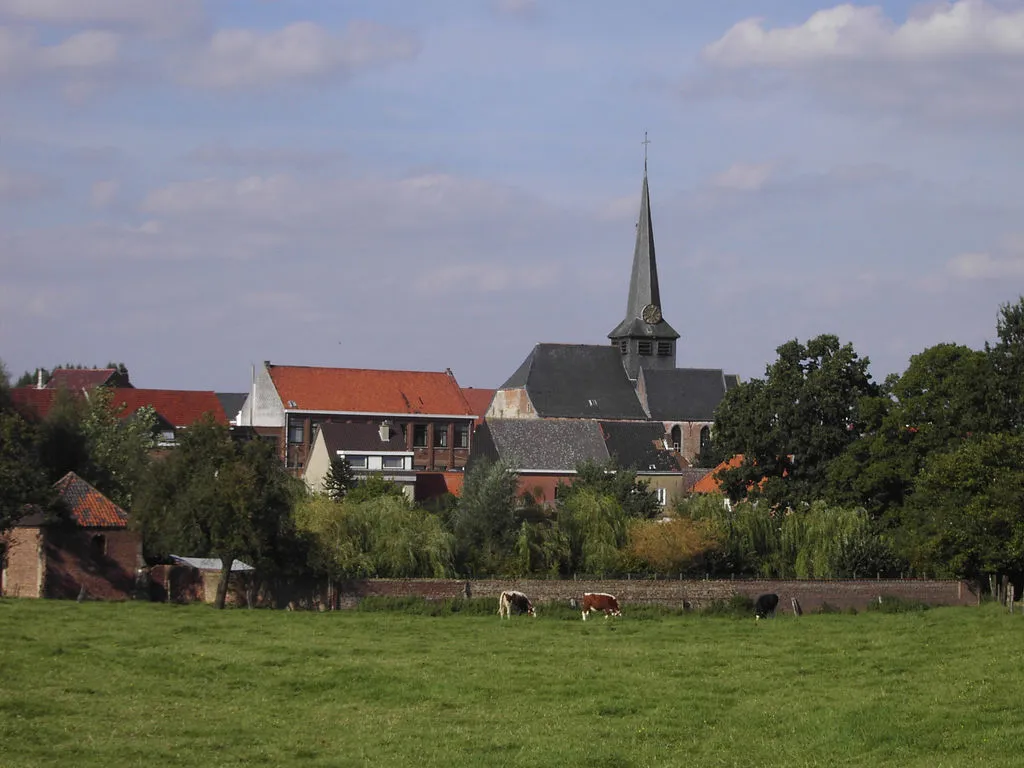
[737,606]
[892,604]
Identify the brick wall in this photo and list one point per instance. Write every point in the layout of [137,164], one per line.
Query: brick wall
[24,565]
[106,567]
[810,594]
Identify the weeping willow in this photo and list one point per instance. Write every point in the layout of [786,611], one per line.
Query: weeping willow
[816,541]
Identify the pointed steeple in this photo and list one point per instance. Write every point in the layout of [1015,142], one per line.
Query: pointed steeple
[643,336]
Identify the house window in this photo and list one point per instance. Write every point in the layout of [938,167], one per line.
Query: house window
[419,435]
[662,496]
[664,349]
[646,347]
[356,462]
[394,462]
[440,435]
[296,433]
[167,436]
[462,435]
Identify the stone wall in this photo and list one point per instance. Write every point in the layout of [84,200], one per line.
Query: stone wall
[811,594]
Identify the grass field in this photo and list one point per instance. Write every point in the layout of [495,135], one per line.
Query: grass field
[137,684]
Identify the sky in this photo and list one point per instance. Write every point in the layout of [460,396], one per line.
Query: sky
[192,187]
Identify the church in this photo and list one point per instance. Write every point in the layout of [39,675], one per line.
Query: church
[634,379]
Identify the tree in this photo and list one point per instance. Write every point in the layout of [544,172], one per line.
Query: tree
[792,423]
[22,480]
[634,496]
[119,445]
[595,525]
[380,537]
[374,486]
[1007,358]
[484,522]
[967,514]
[213,496]
[340,479]
[676,545]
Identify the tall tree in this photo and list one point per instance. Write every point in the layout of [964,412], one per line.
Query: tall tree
[792,423]
[944,397]
[213,496]
[485,521]
[119,444]
[22,479]
[340,478]
[1007,357]
[634,496]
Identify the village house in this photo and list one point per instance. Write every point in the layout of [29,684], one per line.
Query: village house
[427,411]
[86,551]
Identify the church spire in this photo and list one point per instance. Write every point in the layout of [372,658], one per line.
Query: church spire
[643,336]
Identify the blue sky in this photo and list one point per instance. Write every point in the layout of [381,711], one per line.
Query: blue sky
[193,187]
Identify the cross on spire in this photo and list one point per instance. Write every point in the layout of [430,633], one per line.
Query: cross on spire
[645,142]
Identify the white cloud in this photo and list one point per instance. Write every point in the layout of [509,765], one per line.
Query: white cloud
[102,193]
[946,62]
[149,14]
[81,53]
[865,33]
[485,278]
[1007,263]
[526,10]
[16,187]
[303,51]
[744,177]
[224,155]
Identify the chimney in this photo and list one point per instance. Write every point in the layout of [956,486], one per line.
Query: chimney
[385,431]
[39,378]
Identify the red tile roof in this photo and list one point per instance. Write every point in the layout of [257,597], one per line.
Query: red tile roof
[709,483]
[355,390]
[79,378]
[479,401]
[33,403]
[89,508]
[178,407]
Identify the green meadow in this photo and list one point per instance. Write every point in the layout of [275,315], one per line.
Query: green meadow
[138,684]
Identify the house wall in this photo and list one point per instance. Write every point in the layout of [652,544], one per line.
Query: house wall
[425,458]
[675,486]
[263,406]
[542,487]
[24,570]
[511,404]
[73,562]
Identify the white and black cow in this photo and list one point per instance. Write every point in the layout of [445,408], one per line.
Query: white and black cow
[765,606]
[511,601]
[600,601]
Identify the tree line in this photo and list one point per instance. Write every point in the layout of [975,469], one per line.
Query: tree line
[840,476]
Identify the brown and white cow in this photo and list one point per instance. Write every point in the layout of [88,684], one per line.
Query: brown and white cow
[600,601]
[511,601]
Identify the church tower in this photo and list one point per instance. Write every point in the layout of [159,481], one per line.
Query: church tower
[643,337]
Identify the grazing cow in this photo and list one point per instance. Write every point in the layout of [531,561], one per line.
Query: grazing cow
[600,601]
[765,606]
[515,602]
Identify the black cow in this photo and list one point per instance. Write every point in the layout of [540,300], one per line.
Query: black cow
[765,606]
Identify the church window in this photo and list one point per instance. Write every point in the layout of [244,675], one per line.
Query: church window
[705,439]
[664,349]
[646,347]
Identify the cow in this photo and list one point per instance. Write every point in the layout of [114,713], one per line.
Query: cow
[600,601]
[765,606]
[511,601]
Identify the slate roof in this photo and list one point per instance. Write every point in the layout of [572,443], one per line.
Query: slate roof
[684,394]
[85,378]
[231,403]
[88,507]
[639,446]
[643,280]
[577,381]
[177,407]
[360,437]
[356,390]
[552,445]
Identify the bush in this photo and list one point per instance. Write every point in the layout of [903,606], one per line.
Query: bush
[892,604]
[736,607]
